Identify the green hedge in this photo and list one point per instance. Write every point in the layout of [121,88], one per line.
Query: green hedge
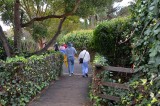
[79,39]
[21,79]
[106,40]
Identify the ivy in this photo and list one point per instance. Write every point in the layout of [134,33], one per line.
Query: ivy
[146,55]
[21,79]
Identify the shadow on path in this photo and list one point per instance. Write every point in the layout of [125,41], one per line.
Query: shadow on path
[67,91]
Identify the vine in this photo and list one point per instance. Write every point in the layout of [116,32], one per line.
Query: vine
[146,55]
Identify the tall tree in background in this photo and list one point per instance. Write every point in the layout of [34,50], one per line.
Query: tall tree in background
[105,12]
[26,12]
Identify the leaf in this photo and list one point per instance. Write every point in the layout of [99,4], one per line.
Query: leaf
[151,7]
[151,82]
[154,100]
[151,94]
[157,61]
[147,32]
[158,36]
[140,96]
[151,61]
[153,53]
[157,31]
[144,81]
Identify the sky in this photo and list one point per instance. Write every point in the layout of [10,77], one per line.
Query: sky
[122,4]
[4,27]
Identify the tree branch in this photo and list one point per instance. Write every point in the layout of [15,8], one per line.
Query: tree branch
[53,39]
[53,16]
[146,26]
[132,33]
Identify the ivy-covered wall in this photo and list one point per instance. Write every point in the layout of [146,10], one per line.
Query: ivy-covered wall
[145,83]
[21,79]
[107,40]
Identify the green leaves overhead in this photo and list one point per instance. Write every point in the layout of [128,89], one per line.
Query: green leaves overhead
[91,7]
[38,8]
[6,11]
[39,31]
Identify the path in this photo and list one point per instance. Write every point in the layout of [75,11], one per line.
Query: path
[67,91]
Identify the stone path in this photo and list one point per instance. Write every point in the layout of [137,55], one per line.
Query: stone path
[67,91]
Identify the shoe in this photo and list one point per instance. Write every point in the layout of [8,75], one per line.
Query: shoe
[83,76]
[70,75]
[86,75]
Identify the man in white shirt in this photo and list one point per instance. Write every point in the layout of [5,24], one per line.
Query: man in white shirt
[86,58]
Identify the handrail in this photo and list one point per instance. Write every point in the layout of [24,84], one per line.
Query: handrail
[115,98]
[97,82]
[115,85]
[116,69]
[119,69]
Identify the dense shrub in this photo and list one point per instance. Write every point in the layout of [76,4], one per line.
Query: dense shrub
[21,79]
[79,39]
[107,41]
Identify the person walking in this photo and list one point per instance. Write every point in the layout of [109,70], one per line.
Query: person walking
[62,49]
[56,48]
[70,53]
[84,58]
[65,57]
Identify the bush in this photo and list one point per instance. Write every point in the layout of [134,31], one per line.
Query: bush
[106,40]
[79,39]
[21,79]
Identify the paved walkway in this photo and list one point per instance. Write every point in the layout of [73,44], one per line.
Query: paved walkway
[67,91]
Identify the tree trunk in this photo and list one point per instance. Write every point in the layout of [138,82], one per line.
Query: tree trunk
[40,43]
[5,43]
[17,27]
[92,21]
[86,23]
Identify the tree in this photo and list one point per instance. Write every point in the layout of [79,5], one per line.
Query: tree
[26,12]
[39,34]
[17,27]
